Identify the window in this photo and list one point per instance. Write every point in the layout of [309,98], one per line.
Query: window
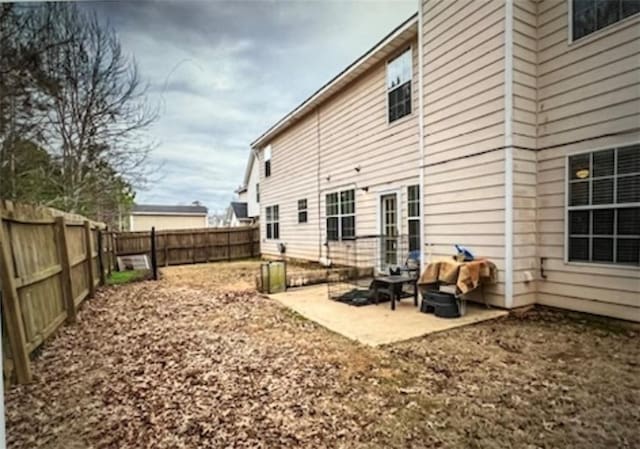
[413,212]
[604,206]
[592,15]
[257,192]
[267,161]
[399,71]
[302,211]
[341,215]
[273,224]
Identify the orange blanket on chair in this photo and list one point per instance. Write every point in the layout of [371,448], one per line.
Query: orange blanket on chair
[466,276]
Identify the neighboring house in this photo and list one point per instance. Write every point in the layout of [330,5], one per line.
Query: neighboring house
[249,191]
[514,126]
[237,215]
[217,220]
[145,216]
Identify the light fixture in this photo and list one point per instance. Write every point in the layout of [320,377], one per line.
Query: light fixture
[583,173]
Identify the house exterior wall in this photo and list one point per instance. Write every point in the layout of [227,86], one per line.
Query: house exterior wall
[253,207]
[464,122]
[588,99]
[320,153]
[162,222]
[506,98]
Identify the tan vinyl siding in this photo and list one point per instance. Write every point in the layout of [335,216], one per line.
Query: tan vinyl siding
[588,99]
[589,87]
[349,130]
[524,126]
[162,222]
[464,187]
[294,161]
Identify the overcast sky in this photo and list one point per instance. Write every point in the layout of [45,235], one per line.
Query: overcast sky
[226,71]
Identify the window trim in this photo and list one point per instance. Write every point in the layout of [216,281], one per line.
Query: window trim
[305,210]
[413,217]
[268,222]
[567,179]
[340,215]
[599,32]
[386,89]
[267,160]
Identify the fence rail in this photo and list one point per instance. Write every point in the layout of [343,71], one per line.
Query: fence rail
[179,247]
[49,263]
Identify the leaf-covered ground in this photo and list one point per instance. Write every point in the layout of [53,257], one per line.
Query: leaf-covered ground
[199,360]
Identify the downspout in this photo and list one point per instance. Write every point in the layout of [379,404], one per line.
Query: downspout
[421,132]
[508,157]
[318,185]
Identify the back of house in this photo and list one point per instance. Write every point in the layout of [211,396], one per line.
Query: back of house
[508,127]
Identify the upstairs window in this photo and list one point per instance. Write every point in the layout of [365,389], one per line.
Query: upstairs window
[593,15]
[273,222]
[413,212]
[604,206]
[399,73]
[267,161]
[302,211]
[341,215]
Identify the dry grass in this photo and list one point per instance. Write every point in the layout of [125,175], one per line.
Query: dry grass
[199,360]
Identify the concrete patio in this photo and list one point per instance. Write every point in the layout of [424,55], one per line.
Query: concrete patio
[375,325]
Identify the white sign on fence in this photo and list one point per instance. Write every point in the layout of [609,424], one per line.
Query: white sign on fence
[133,262]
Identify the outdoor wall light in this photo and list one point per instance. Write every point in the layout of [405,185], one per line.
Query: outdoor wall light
[584,173]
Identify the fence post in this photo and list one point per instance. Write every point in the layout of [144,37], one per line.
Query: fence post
[114,246]
[229,244]
[101,257]
[65,263]
[166,250]
[89,249]
[13,313]
[154,261]
[207,236]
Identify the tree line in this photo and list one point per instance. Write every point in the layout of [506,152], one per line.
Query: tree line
[74,112]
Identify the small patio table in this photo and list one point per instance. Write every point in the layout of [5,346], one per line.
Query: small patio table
[392,281]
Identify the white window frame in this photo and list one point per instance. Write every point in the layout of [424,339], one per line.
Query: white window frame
[568,208]
[340,215]
[305,210]
[386,87]
[586,38]
[270,220]
[267,158]
[413,217]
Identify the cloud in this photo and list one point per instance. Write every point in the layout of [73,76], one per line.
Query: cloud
[223,72]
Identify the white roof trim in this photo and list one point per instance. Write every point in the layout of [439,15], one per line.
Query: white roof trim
[165,214]
[328,89]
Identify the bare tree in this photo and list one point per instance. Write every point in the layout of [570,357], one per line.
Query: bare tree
[25,36]
[99,113]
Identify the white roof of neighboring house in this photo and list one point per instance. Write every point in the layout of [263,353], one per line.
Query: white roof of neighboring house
[379,52]
[157,209]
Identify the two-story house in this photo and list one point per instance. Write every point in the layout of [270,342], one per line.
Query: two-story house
[511,127]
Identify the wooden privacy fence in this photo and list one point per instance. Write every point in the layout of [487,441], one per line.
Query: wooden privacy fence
[179,247]
[49,263]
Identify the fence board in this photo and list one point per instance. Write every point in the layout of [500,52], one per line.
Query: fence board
[45,267]
[180,247]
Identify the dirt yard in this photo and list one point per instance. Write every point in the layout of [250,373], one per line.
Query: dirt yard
[198,360]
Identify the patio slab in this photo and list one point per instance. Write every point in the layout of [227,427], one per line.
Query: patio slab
[375,325]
